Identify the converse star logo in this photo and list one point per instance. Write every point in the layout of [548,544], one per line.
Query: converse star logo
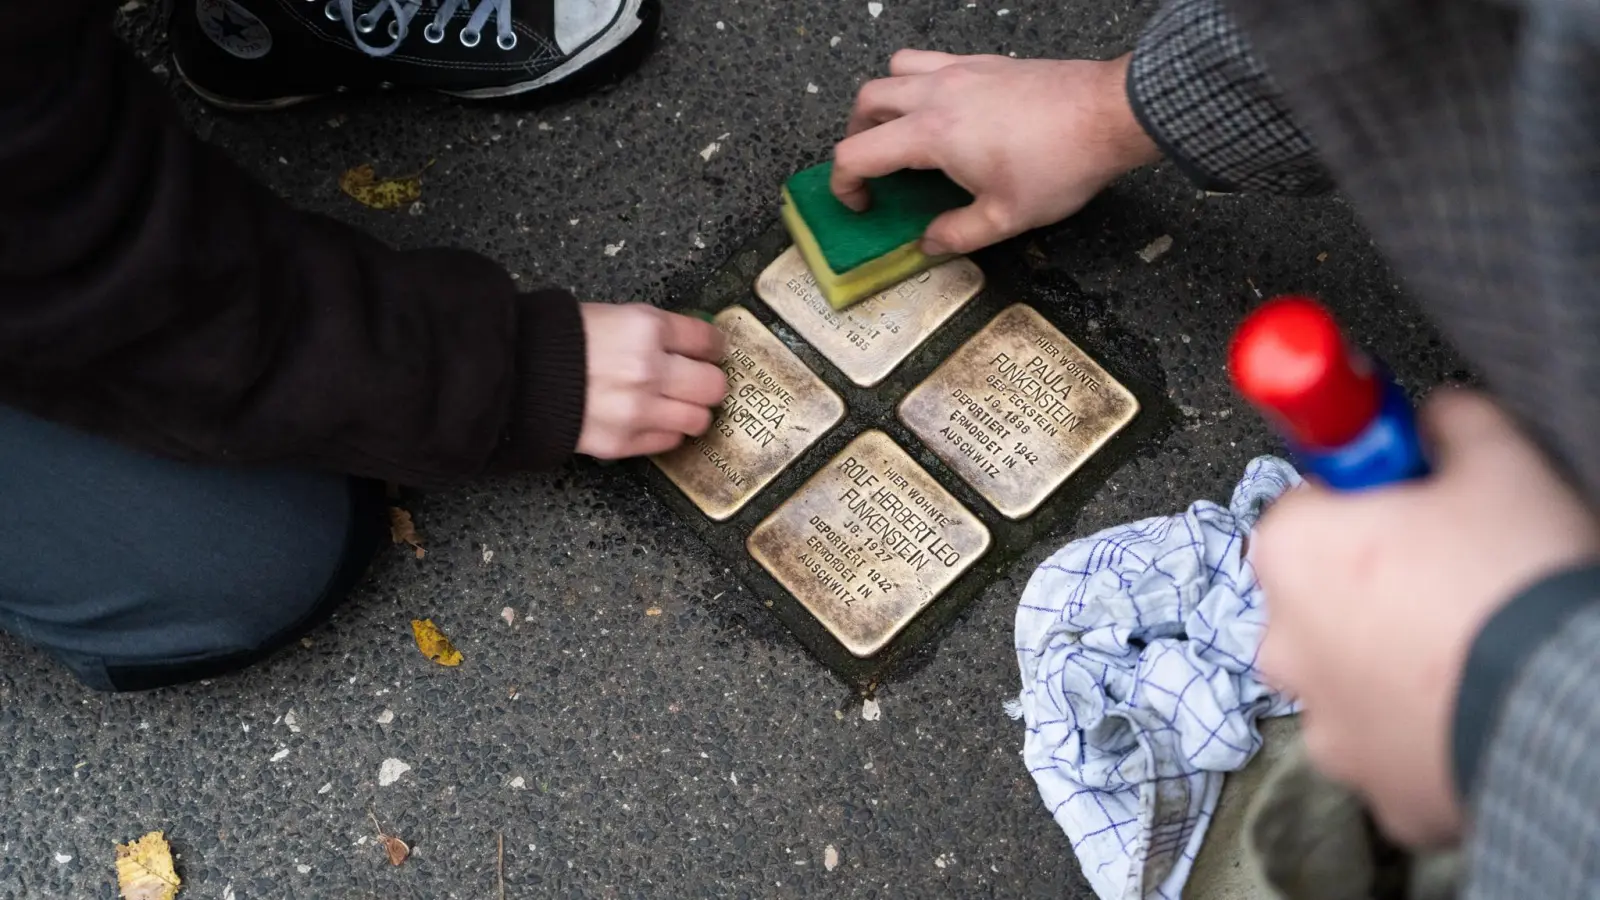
[233,28]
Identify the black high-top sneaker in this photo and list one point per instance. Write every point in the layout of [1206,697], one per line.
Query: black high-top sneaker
[267,54]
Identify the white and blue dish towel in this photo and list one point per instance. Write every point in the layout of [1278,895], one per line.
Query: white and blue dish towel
[1138,653]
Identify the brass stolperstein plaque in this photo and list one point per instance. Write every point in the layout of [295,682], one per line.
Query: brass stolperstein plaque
[1017,410]
[867,341]
[776,408]
[868,542]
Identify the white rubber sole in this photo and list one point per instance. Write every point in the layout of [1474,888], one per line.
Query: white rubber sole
[233,105]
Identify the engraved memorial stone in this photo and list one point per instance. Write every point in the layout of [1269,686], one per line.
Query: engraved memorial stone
[775,409]
[867,341]
[1017,409]
[868,542]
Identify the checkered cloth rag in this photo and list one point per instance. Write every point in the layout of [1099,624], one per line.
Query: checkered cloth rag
[1139,686]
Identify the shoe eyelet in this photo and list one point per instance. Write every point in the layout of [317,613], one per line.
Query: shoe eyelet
[394,29]
[433,34]
[507,41]
[365,25]
[331,10]
[470,38]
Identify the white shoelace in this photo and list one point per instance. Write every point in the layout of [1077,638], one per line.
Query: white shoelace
[405,11]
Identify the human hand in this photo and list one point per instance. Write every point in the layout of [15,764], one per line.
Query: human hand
[1031,140]
[652,379]
[1374,600]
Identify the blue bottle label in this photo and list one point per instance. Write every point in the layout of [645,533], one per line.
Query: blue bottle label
[1387,451]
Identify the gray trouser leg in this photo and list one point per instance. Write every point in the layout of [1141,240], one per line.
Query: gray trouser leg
[138,572]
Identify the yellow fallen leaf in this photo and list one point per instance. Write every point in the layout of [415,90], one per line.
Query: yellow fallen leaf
[366,188]
[403,531]
[144,869]
[653,611]
[433,644]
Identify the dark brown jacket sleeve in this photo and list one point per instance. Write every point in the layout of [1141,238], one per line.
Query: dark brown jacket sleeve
[151,291]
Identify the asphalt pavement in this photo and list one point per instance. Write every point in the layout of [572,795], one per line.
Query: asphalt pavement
[640,727]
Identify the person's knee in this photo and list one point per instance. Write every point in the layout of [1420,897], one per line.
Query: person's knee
[231,610]
[139,572]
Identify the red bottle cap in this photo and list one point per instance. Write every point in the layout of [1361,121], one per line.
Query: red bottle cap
[1290,360]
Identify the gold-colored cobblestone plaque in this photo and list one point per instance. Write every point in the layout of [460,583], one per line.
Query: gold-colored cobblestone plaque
[776,408]
[868,542]
[1017,410]
[868,340]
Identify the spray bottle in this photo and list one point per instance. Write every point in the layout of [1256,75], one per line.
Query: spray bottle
[1346,420]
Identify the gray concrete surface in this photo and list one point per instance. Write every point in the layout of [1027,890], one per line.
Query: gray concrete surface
[699,752]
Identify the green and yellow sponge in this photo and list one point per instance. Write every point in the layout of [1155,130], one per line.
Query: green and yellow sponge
[855,255]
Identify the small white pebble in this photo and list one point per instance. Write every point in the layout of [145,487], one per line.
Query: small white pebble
[544,126]
[292,721]
[1156,248]
[488,555]
[280,755]
[303,869]
[509,614]
[875,9]
[1002,12]
[283,160]
[830,858]
[390,771]
[518,784]
[63,858]
[614,249]
[386,717]
[835,41]
[721,27]
[699,242]
[710,151]
[871,711]
[131,5]
[415,208]
[811,88]
[325,788]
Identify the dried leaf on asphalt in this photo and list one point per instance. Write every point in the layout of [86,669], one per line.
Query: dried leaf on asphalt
[366,188]
[395,848]
[144,869]
[403,531]
[433,644]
